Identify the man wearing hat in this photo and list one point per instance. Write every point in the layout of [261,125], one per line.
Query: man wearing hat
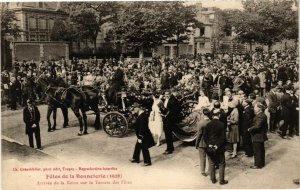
[246,121]
[259,135]
[286,112]
[171,116]
[144,136]
[31,118]
[215,138]
[273,106]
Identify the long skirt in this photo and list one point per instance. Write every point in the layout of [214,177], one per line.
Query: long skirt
[234,135]
[155,124]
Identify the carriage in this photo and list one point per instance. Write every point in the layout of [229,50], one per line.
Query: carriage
[118,120]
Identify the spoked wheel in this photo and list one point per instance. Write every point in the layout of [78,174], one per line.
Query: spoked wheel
[188,107]
[115,124]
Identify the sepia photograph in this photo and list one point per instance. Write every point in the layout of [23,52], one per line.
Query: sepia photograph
[194,94]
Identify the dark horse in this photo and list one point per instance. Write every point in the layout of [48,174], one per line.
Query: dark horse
[79,99]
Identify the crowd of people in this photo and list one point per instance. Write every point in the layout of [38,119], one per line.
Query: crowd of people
[245,95]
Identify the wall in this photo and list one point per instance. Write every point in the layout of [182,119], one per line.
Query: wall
[40,51]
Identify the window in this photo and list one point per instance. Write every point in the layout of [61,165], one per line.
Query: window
[202,31]
[201,45]
[42,24]
[32,38]
[211,16]
[32,23]
[190,48]
[175,51]
[43,38]
[167,50]
[40,4]
[51,24]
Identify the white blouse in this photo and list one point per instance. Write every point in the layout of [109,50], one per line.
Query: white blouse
[203,101]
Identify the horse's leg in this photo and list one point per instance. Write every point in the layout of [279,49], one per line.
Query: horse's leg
[49,112]
[84,121]
[79,117]
[66,118]
[54,118]
[97,123]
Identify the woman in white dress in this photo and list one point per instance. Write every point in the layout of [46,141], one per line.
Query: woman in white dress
[155,119]
[203,101]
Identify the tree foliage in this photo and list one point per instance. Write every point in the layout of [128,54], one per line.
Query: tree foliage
[90,16]
[264,22]
[147,24]
[62,31]
[9,26]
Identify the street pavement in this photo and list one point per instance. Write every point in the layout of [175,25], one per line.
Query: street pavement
[178,170]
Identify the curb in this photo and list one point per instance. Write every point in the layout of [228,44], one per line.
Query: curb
[11,140]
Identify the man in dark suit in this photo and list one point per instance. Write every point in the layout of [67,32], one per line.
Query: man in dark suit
[171,116]
[13,93]
[246,123]
[200,144]
[259,135]
[207,83]
[165,80]
[214,137]
[144,136]
[273,106]
[31,118]
[255,82]
[286,112]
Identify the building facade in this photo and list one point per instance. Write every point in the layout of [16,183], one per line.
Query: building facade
[201,41]
[36,20]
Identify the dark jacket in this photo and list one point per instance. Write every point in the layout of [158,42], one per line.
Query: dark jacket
[142,130]
[247,119]
[224,82]
[200,139]
[165,81]
[30,118]
[214,134]
[208,81]
[286,104]
[259,128]
[173,110]
[255,83]
[273,102]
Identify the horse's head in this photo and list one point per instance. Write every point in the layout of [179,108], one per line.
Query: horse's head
[43,83]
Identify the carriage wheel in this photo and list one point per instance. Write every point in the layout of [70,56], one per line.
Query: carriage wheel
[188,107]
[115,124]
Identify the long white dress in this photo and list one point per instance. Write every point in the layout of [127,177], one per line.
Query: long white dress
[203,101]
[155,119]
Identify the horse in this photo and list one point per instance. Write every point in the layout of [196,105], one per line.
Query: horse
[53,103]
[79,99]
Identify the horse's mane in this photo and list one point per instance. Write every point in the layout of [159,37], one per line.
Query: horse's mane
[43,82]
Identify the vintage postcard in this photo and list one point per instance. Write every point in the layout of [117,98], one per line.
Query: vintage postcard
[199,94]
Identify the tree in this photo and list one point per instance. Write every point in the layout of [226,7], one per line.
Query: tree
[90,16]
[146,24]
[62,31]
[263,21]
[292,29]
[182,22]
[9,28]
